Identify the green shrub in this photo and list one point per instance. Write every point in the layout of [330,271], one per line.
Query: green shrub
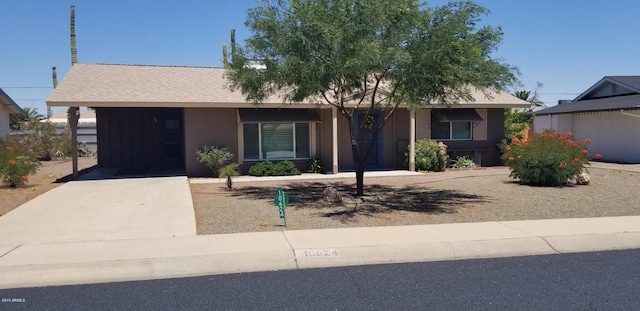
[463,162]
[268,168]
[430,156]
[214,157]
[316,165]
[16,163]
[264,168]
[546,159]
[43,142]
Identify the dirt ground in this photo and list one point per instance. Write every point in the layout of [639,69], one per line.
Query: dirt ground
[51,174]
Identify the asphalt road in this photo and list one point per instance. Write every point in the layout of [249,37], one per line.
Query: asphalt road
[585,281]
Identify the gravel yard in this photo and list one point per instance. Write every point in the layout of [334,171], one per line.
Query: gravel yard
[431,198]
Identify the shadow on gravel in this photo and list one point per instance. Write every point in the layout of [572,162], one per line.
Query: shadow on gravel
[378,199]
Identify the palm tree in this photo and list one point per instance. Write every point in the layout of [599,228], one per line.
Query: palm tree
[229,171]
[30,115]
[526,96]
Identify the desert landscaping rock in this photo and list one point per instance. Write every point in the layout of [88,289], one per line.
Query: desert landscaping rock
[431,198]
[331,195]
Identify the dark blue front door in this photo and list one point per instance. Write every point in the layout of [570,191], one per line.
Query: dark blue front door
[366,139]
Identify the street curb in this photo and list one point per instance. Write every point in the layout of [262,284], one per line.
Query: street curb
[147,259]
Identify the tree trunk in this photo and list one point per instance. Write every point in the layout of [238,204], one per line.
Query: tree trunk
[360,179]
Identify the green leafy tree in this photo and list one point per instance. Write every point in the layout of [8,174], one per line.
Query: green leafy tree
[367,55]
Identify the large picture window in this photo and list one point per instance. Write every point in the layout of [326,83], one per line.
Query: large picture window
[266,141]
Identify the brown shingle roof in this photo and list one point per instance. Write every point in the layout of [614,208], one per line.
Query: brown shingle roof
[165,86]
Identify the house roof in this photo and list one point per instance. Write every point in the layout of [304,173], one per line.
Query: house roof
[601,97]
[628,102]
[9,105]
[628,85]
[108,85]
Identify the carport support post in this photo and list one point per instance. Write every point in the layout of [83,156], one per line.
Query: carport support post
[334,139]
[412,140]
[74,115]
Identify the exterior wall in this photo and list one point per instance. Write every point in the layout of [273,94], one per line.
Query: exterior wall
[131,138]
[4,122]
[558,122]
[207,126]
[324,136]
[613,135]
[395,137]
[542,122]
[487,134]
[222,127]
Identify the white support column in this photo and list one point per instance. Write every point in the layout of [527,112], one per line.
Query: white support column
[412,140]
[334,139]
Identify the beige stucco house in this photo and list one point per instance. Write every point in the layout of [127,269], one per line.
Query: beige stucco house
[151,117]
[7,108]
[608,113]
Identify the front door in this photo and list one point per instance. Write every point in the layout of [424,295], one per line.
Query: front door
[172,142]
[366,139]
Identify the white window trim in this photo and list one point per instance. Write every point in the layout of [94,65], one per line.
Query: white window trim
[312,141]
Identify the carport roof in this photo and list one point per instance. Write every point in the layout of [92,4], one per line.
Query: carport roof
[110,85]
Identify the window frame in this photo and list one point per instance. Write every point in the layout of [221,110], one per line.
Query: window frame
[310,131]
[450,124]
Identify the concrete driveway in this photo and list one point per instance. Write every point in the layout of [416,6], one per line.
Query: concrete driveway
[111,209]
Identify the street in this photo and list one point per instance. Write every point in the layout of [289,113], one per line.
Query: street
[583,281]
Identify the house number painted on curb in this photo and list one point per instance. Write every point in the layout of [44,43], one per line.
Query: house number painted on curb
[316,253]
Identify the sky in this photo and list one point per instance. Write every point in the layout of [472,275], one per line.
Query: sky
[566,45]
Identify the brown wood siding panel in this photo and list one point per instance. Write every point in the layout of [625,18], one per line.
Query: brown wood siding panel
[102,135]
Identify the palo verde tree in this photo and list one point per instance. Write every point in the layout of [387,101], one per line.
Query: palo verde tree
[367,55]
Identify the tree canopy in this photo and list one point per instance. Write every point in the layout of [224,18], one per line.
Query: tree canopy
[367,54]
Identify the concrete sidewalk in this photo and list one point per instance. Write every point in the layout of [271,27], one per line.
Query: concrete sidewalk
[45,264]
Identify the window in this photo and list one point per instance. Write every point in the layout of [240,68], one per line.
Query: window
[265,141]
[451,130]
[453,124]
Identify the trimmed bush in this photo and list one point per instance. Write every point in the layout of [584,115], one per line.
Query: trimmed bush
[546,159]
[214,157]
[430,156]
[268,168]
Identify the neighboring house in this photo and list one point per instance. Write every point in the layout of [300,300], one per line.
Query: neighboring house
[86,127]
[608,113]
[155,117]
[7,108]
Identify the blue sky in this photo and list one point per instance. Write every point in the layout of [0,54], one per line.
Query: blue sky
[567,45]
